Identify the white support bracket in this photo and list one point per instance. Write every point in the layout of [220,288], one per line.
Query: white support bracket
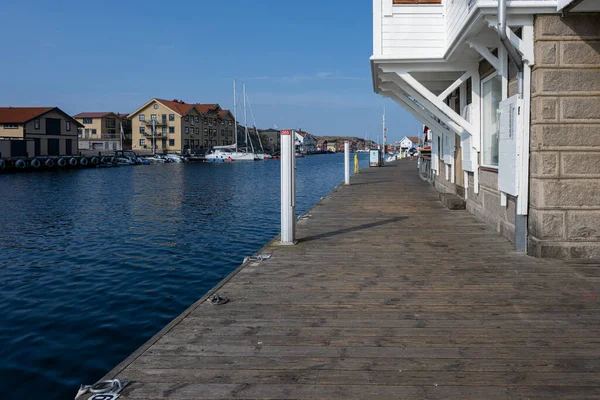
[410,106]
[436,111]
[431,98]
[525,47]
[480,47]
[456,84]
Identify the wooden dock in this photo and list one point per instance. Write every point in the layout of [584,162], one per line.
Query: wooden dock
[387,295]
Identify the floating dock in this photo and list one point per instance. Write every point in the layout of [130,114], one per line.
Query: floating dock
[386,295]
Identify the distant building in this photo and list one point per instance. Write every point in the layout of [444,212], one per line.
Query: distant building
[37,131]
[332,146]
[100,131]
[271,139]
[178,126]
[305,142]
[409,142]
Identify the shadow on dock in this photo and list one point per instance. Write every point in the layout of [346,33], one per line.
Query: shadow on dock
[351,229]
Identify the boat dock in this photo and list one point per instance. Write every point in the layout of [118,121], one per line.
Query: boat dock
[386,295]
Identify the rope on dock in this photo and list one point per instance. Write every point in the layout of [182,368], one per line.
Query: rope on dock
[217,300]
[110,386]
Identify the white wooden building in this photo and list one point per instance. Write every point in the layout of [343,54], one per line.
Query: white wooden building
[464,69]
[409,142]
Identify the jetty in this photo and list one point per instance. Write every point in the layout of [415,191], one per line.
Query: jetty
[387,294]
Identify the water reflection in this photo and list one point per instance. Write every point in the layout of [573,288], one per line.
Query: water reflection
[94,262]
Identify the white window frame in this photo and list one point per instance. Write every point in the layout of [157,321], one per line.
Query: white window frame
[483,81]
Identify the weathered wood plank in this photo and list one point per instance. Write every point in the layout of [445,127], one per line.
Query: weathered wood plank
[394,298]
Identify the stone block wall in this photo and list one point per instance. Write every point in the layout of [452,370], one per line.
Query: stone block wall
[441,184]
[564,214]
[485,205]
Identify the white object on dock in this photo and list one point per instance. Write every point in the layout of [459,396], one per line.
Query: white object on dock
[288,188]
[347,162]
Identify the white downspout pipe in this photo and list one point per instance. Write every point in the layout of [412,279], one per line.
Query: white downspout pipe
[520,219]
[512,51]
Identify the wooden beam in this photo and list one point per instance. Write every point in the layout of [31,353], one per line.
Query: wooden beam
[413,108]
[485,53]
[436,102]
[456,84]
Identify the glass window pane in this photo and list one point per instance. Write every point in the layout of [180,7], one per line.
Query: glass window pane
[491,96]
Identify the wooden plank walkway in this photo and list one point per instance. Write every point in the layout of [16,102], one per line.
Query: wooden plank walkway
[387,295]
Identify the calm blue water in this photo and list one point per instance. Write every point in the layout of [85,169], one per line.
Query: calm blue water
[94,262]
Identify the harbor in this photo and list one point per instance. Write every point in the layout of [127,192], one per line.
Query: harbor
[387,294]
[111,255]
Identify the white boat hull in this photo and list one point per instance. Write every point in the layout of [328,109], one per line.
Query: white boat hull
[234,156]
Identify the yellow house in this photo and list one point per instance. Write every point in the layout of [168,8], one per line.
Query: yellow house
[101,130]
[37,131]
[171,124]
[174,126]
[332,146]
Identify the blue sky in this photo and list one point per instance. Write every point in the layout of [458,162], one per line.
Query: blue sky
[306,64]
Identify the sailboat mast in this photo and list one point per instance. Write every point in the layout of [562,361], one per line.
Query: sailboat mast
[235,115]
[245,119]
[384,129]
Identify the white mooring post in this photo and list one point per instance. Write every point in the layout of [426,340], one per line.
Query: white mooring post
[347,162]
[288,188]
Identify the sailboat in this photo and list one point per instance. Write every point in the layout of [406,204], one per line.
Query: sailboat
[258,154]
[230,152]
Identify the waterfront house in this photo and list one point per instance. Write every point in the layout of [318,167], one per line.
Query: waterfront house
[332,146]
[37,131]
[217,126]
[305,142]
[271,139]
[409,142]
[511,93]
[179,127]
[101,130]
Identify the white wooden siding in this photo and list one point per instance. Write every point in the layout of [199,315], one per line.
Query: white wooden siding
[456,14]
[414,32]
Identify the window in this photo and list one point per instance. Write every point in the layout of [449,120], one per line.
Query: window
[171,129]
[206,121]
[206,143]
[153,117]
[171,117]
[186,142]
[187,130]
[11,126]
[142,142]
[79,132]
[111,123]
[187,118]
[491,96]
[197,131]
[87,133]
[93,131]
[85,121]
[206,131]
[36,123]
[164,130]
[68,126]
[142,117]
[197,119]
[53,126]
[192,120]
[142,129]
[171,142]
[164,118]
